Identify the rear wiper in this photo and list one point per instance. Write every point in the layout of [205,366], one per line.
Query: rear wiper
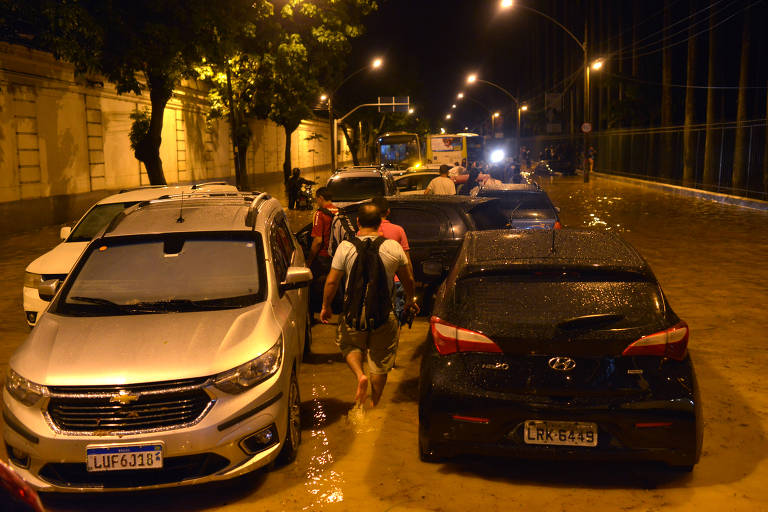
[589,322]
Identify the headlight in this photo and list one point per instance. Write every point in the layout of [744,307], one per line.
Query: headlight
[23,390]
[253,372]
[32,280]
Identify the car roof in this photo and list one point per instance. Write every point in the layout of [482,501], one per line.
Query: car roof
[357,172]
[153,192]
[200,212]
[465,202]
[425,172]
[510,187]
[557,247]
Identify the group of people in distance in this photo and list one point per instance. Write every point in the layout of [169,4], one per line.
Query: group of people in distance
[463,181]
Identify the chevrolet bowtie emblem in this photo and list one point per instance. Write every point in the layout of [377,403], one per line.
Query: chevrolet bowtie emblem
[123,398]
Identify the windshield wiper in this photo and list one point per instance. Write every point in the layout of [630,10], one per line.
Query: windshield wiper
[99,301]
[589,322]
[178,305]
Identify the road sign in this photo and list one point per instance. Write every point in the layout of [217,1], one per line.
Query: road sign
[403,103]
[586,127]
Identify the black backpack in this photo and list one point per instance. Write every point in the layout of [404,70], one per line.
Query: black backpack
[342,228]
[367,301]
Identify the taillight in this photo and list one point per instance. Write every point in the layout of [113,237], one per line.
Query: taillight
[558,225]
[449,339]
[671,343]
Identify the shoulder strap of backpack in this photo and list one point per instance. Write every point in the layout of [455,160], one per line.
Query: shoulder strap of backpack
[376,244]
[325,211]
[347,225]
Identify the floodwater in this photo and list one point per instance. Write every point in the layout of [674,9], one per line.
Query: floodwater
[712,262]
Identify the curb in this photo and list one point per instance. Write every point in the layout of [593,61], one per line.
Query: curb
[754,204]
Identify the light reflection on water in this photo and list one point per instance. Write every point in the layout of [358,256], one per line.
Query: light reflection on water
[322,482]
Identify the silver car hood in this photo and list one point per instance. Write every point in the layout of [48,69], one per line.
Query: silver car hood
[114,350]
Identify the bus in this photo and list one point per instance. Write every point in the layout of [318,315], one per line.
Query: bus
[399,149]
[449,148]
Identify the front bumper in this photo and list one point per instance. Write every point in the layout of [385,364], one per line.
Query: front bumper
[210,450]
[456,418]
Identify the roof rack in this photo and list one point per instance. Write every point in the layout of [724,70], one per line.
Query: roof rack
[253,210]
[145,187]
[208,183]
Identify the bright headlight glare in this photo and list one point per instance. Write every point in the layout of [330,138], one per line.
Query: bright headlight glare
[26,392]
[253,372]
[32,280]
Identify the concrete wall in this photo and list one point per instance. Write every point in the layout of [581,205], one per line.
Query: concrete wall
[64,140]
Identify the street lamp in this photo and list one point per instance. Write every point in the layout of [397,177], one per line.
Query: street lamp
[453,106]
[375,64]
[448,116]
[521,108]
[460,96]
[473,78]
[595,66]
[493,123]
[410,111]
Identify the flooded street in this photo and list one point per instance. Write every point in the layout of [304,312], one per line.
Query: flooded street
[712,262]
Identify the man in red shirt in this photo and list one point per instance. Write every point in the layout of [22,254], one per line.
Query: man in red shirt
[319,260]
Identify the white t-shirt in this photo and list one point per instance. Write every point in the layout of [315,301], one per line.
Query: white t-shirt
[391,252]
[441,185]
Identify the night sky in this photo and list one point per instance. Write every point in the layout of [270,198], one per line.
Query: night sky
[430,46]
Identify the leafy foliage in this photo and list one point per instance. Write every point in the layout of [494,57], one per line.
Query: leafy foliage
[139,127]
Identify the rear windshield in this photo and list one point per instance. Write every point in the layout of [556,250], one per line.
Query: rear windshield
[499,213]
[356,189]
[539,305]
[95,220]
[199,272]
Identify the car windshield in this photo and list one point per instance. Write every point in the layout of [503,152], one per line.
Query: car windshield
[167,273]
[499,213]
[95,220]
[415,182]
[356,189]
[539,304]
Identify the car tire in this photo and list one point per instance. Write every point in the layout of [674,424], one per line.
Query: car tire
[293,423]
[427,451]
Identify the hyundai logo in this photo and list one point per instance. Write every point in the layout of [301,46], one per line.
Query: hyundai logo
[562,364]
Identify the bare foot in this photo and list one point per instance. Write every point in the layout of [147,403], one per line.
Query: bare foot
[362,390]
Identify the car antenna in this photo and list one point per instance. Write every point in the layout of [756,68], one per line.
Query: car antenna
[181,210]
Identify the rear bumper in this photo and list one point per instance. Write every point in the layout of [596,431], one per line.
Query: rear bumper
[660,429]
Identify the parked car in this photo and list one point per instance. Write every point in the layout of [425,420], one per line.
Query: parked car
[414,183]
[349,185]
[56,263]
[169,355]
[15,494]
[522,206]
[435,226]
[557,344]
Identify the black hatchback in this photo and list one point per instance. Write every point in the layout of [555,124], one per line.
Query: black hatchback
[557,344]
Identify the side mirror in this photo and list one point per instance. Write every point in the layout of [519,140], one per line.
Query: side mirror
[296,277]
[47,289]
[432,268]
[64,232]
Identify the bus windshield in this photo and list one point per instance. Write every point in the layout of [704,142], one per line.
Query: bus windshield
[399,150]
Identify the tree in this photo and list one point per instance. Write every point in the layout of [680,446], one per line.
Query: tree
[689,152]
[740,146]
[710,162]
[141,42]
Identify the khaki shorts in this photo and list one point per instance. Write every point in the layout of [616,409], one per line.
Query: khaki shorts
[380,344]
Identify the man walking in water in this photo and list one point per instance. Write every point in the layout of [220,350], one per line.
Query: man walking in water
[357,336]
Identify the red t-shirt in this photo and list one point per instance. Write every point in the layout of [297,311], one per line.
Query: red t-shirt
[321,227]
[394,232]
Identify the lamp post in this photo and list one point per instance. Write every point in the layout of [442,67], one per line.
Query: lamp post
[596,65]
[471,79]
[375,64]
[493,124]
[521,108]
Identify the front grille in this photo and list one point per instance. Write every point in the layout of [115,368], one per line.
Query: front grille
[159,406]
[175,469]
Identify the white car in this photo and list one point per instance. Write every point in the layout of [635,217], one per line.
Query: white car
[56,263]
[170,354]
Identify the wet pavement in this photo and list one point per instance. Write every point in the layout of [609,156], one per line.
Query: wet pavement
[711,260]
